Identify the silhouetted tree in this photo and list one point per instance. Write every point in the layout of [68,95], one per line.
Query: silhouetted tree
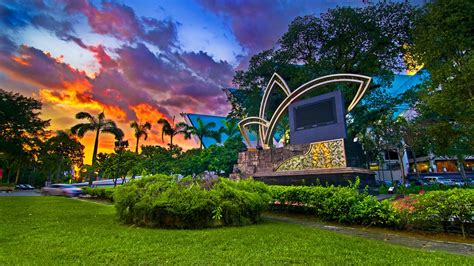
[98,124]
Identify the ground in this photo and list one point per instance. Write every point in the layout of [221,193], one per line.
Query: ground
[52,230]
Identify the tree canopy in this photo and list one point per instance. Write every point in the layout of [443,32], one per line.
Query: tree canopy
[443,42]
[370,41]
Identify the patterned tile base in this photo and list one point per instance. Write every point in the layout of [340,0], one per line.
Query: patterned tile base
[324,154]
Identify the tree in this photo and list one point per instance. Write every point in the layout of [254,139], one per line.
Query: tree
[21,130]
[230,128]
[369,41]
[203,130]
[60,153]
[169,130]
[443,43]
[388,133]
[140,130]
[120,164]
[98,124]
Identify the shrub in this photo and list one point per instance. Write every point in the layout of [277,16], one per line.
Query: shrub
[341,204]
[102,193]
[443,208]
[162,201]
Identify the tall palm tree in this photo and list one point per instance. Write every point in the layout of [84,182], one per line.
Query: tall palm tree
[140,130]
[230,128]
[95,124]
[170,130]
[203,130]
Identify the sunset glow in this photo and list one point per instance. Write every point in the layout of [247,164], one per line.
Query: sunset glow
[136,61]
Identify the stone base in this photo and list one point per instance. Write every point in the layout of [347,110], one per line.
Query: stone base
[332,176]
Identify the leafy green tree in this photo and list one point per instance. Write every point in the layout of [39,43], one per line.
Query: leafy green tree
[157,159]
[443,43]
[21,130]
[223,158]
[230,128]
[369,41]
[171,129]
[121,164]
[98,124]
[141,130]
[203,130]
[60,153]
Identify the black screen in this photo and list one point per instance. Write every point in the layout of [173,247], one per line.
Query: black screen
[315,114]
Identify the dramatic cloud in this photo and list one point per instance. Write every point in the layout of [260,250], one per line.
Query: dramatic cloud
[139,69]
[121,22]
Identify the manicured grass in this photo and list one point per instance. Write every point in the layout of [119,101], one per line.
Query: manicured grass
[53,230]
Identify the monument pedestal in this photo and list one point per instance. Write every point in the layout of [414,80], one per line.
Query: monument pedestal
[332,176]
[334,162]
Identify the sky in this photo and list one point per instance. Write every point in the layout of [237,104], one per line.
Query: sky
[136,60]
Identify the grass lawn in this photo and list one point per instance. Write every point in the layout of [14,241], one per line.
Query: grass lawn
[53,230]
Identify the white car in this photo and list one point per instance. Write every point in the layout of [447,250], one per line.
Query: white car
[439,180]
[61,190]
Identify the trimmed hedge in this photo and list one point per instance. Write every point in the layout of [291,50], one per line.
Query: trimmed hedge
[340,204]
[449,210]
[102,193]
[162,201]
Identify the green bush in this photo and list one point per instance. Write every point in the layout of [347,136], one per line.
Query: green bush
[341,204]
[102,193]
[162,201]
[454,206]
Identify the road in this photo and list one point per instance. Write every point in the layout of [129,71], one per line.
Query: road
[20,193]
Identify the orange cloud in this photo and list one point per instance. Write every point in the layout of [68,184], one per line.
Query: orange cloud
[147,113]
[21,60]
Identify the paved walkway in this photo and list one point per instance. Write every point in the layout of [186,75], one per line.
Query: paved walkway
[452,247]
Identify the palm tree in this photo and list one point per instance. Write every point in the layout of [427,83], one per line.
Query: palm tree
[203,130]
[168,129]
[96,124]
[140,130]
[230,128]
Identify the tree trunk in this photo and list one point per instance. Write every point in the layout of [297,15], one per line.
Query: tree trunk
[90,179]
[96,146]
[402,166]
[171,140]
[9,173]
[136,148]
[390,166]
[413,153]
[17,177]
[460,160]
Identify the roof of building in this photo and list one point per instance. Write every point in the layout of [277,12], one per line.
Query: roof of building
[191,119]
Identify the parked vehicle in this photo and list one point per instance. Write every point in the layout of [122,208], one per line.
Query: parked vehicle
[61,190]
[24,187]
[438,180]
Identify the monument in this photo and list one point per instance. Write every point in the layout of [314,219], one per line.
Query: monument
[319,150]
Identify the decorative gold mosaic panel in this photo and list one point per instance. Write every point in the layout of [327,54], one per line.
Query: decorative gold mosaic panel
[324,154]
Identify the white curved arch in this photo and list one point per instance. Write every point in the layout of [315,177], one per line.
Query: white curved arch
[252,120]
[281,83]
[363,82]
